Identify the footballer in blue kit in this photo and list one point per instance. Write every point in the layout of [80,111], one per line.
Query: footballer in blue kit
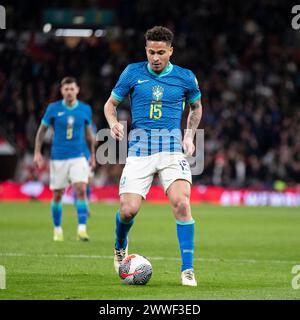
[158,92]
[71,120]
[157,101]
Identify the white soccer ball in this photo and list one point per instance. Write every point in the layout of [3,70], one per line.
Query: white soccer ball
[135,269]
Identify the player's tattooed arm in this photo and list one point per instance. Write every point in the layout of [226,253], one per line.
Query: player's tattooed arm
[110,111]
[39,138]
[194,117]
[192,125]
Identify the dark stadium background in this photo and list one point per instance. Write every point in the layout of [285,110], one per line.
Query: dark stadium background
[245,54]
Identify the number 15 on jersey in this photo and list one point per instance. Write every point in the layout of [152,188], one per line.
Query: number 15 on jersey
[155,110]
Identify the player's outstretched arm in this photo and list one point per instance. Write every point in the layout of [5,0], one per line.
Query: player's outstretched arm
[110,111]
[192,125]
[38,158]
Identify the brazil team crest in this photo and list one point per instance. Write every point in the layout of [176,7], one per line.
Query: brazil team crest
[157,93]
[71,121]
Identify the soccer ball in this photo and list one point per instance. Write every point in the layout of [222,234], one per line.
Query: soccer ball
[135,269]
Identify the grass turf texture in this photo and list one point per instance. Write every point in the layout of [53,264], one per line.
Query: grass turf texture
[241,253]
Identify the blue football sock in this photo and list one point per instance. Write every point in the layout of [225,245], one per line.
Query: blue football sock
[82,211]
[56,208]
[88,197]
[88,192]
[122,229]
[185,234]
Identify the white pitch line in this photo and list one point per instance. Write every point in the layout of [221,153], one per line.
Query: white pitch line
[82,256]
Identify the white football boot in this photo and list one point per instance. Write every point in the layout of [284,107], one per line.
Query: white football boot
[188,278]
[120,255]
[58,234]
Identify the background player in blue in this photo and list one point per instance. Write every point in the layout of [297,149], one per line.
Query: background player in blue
[158,91]
[71,121]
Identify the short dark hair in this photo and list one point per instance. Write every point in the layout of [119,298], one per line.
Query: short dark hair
[159,33]
[68,80]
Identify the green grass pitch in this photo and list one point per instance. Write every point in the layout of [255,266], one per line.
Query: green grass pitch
[240,253]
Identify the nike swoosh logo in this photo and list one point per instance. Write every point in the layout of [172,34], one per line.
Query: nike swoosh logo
[126,275]
[60,114]
[141,81]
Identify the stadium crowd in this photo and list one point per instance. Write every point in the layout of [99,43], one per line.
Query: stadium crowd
[246,58]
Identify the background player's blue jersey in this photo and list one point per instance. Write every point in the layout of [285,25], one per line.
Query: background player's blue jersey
[157,102]
[69,128]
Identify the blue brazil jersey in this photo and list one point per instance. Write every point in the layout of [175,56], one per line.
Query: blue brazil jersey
[69,128]
[157,104]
